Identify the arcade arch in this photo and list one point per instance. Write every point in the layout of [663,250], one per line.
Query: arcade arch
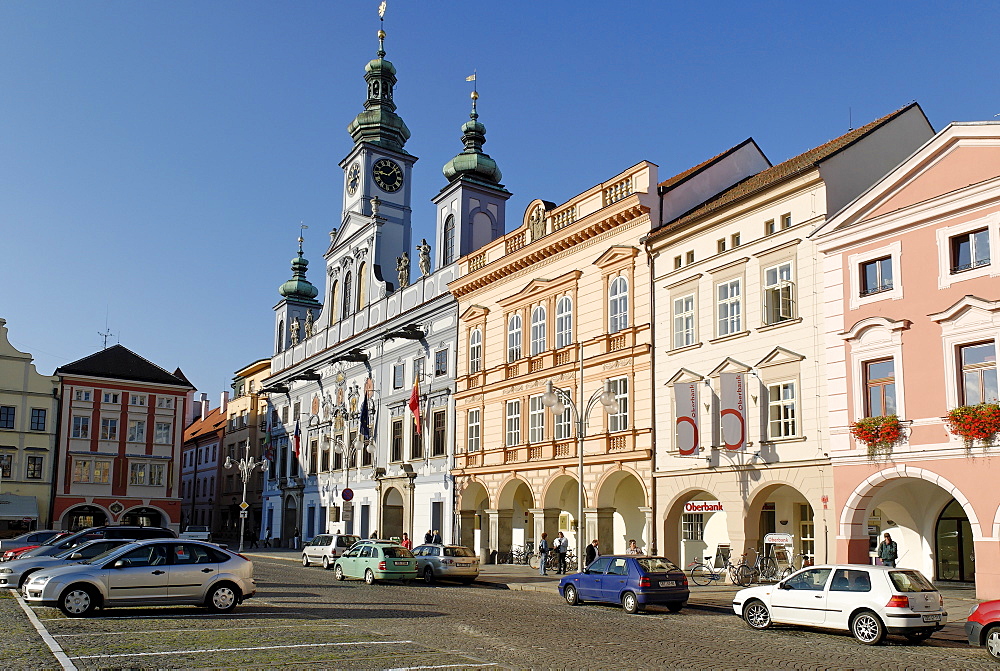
[392,514]
[622,513]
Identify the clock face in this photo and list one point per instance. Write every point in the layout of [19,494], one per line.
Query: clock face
[353,179]
[388,175]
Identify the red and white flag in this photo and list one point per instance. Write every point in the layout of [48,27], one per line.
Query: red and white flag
[415,403]
[733,414]
[686,405]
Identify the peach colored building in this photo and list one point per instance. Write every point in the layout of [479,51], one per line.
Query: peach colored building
[912,329]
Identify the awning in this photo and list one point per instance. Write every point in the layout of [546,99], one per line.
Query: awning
[14,507]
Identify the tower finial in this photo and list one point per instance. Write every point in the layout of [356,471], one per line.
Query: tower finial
[475,93]
[302,227]
[381,30]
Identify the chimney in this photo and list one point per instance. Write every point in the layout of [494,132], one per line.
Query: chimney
[204,406]
[224,402]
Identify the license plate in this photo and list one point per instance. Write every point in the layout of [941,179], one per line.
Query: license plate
[668,583]
[400,563]
[932,617]
[460,564]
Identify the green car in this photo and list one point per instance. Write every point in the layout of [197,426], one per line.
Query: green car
[376,560]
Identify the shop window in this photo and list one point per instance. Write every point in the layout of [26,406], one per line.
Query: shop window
[979,373]
[880,381]
[729,306]
[876,276]
[693,526]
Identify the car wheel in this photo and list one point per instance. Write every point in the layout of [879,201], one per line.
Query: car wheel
[919,635]
[78,601]
[305,560]
[992,641]
[631,603]
[428,575]
[675,606]
[369,576]
[867,628]
[222,598]
[757,615]
[338,572]
[326,562]
[571,596]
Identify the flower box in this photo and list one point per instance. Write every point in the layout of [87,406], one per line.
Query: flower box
[879,434]
[975,423]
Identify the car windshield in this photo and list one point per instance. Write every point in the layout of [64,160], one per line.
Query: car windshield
[55,539]
[910,581]
[107,554]
[459,551]
[656,564]
[398,552]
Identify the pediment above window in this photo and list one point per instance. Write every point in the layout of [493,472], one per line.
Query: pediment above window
[541,287]
[875,328]
[969,310]
[474,313]
[615,255]
[778,356]
[730,365]
[685,375]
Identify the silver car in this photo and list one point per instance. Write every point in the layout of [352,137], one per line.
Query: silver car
[14,573]
[448,562]
[30,538]
[145,573]
[325,548]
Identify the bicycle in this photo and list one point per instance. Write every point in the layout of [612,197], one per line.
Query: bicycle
[552,563]
[702,573]
[763,569]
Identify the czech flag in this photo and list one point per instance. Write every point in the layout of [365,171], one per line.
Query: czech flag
[415,403]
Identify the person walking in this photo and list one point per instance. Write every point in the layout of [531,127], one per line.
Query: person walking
[888,551]
[437,537]
[267,538]
[543,553]
[428,537]
[407,543]
[593,552]
[251,538]
[561,544]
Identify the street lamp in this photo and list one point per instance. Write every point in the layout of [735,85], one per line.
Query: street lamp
[557,400]
[350,450]
[246,465]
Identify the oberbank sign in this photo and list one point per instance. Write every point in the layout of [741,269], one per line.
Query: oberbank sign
[703,507]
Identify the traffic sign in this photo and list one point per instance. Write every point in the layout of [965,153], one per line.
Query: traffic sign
[243,513]
[347,494]
[244,506]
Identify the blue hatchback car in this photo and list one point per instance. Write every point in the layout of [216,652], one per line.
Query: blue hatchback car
[633,581]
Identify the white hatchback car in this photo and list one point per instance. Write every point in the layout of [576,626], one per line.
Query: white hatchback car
[868,601]
[325,548]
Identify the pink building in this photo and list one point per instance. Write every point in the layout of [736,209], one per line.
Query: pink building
[912,330]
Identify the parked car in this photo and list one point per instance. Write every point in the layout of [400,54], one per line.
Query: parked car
[325,548]
[633,581]
[448,562]
[983,627]
[30,538]
[14,573]
[196,533]
[376,560]
[868,601]
[93,533]
[146,573]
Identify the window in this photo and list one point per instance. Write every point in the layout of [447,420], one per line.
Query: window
[513,423]
[769,227]
[346,301]
[618,305]
[693,526]
[109,429]
[979,373]
[564,322]
[441,362]
[786,221]
[284,414]
[397,376]
[137,474]
[779,294]
[6,417]
[538,344]
[81,427]
[136,431]
[416,443]
[156,474]
[678,262]
[110,397]
[439,430]
[161,433]
[514,338]
[734,240]
[168,403]
[618,421]
[880,380]
[81,470]
[475,351]
[473,438]
[684,321]
[418,369]
[729,305]
[396,440]
[536,420]
[807,531]
[876,276]
[563,423]
[296,410]
[449,240]
[781,410]
[362,284]
[38,419]
[689,257]
[720,245]
[82,395]
[137,399]
[970,250]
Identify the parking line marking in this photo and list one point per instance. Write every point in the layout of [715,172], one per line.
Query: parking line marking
[261,647]
[54,647]
[441,666]
[182,631]
[166,617]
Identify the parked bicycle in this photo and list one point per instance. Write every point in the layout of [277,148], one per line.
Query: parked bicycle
[763,569]
[552,563]
[704,573]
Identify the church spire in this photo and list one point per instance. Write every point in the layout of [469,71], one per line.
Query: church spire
[378,123]
[473,162]
[299,286]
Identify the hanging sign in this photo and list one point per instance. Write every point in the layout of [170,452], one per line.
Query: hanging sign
[686,403]
[733,416]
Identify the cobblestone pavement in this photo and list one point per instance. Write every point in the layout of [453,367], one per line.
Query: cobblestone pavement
[304,617]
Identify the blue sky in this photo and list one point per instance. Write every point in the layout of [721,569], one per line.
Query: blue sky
[156,158]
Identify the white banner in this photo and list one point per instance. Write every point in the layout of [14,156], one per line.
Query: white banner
[733,416]
[686,404]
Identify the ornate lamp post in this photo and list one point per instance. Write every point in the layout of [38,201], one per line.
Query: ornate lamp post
[557,400]
[246,465]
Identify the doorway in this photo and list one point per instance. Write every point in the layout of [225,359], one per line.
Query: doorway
[955,558]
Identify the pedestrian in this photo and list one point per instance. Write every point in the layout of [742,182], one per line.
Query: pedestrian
[593,552]
[428,537]
[374,535]
[632,548]
[888,551]
[295,538]
[543,553]
[267,538]
[407,543]
[437,537]
[561,544]
[250,537]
